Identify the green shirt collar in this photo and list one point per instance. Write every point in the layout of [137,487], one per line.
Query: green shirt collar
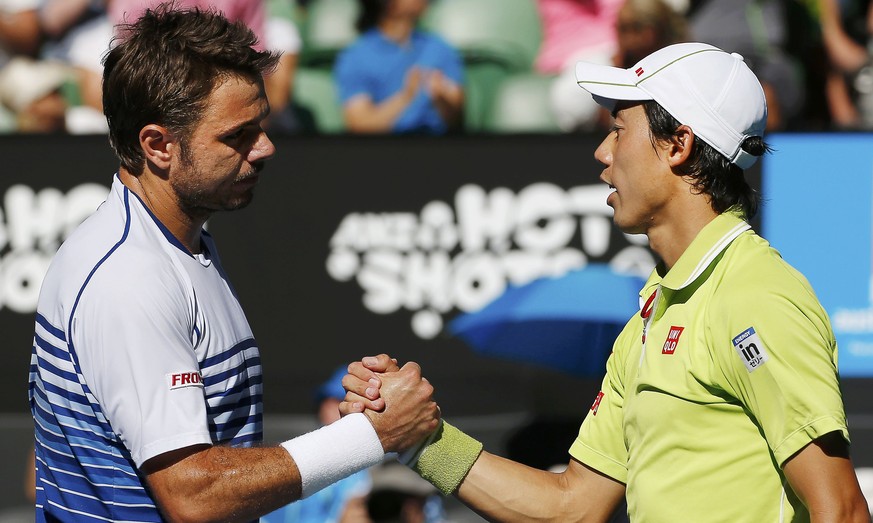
[706,246]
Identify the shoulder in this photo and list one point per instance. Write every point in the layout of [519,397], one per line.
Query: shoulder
[752,266]
[435,41]
[757,288]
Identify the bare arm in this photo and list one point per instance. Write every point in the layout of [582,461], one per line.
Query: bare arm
[448,98]
[497,488]
[222,483]
[363,115]
[206,483]
[824,479]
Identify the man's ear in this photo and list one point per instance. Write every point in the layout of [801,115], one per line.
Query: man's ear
[681,145]
[158,145]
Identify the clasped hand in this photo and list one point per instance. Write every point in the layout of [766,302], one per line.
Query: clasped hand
[398,401]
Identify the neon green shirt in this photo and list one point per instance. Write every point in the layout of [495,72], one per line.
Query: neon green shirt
[739,372]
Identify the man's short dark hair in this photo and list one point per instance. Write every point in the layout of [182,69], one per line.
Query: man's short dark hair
[712,172]
[163,67]
[370,13]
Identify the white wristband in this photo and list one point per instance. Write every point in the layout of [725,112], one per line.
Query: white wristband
[329,454]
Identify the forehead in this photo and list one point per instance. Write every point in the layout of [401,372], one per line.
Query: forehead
[628,110]
[235,100]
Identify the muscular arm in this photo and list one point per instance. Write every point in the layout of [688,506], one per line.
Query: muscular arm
[822,476]
[205,483]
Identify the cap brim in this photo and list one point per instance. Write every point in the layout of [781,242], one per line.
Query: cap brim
[609,84]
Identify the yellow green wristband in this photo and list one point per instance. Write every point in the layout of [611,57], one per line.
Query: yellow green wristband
[447,458]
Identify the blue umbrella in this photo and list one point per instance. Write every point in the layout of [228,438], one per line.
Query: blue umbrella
[568,323]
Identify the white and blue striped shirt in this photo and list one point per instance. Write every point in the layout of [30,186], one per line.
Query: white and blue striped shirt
[140,348]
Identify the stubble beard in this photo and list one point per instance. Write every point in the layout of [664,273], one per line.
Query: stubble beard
[201,201]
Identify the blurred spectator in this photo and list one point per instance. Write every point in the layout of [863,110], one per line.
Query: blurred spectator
[758,30]
[20,33]
[282,36]
[343,501]
[80,32]
[644,26]
[846,29]
[636,29]
[31,90]
[397,78]
[253,13]
[399,495]
[77,34]
[575,30]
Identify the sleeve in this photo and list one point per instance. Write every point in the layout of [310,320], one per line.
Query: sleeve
[350,74]
[133,339]
[452,65]
[778,356]
[600,443]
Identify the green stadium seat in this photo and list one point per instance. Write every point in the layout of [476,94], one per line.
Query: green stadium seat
[328,27]
[496,38]
[508,32]
[522,105]
[316,103]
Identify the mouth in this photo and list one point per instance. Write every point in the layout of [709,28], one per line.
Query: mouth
[248,180]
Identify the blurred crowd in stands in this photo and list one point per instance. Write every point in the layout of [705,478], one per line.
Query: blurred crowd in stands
[452,66]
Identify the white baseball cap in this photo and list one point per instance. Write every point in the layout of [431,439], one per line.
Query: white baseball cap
[712,91]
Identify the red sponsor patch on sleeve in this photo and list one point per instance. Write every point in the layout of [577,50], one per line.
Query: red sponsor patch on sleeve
[178,380]
[596,404]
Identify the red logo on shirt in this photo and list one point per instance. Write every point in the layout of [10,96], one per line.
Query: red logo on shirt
[639,71]
[596,404]
[177,380]
[672,340]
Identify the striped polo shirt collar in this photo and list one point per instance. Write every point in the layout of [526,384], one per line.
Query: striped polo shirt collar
[711,241]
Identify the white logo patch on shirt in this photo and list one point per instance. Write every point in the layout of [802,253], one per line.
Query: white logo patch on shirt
[180,380]
[750,348]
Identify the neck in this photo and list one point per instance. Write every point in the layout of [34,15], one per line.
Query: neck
[398,29]
[157,195]
[671,238]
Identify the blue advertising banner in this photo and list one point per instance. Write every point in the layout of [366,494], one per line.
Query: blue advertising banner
[817,212]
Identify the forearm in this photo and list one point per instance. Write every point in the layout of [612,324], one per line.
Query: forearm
[227,484]
[450,106]
[502,490]
[367,117]
[207,483]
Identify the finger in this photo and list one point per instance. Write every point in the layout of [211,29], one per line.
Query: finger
[380,363]
[358,370]
[347,408]
[412,368]
[356,403]
[368,389]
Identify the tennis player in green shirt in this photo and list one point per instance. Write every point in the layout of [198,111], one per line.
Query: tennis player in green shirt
[721,400]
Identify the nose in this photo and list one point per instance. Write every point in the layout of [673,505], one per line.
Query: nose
[263,149]
[603,153]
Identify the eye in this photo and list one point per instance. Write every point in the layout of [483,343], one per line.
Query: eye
[235,134]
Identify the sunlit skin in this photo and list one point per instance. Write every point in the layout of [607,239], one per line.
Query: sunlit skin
[215,169]
[650,197]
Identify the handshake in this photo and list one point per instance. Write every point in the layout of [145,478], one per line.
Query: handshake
[399,404]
